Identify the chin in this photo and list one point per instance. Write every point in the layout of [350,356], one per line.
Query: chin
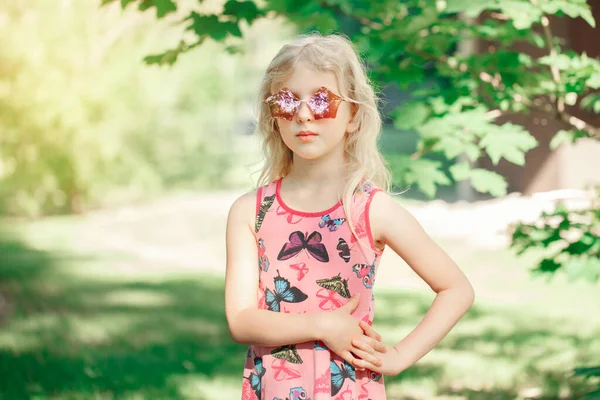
[308,155]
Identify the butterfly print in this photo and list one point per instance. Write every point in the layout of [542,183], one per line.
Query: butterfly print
[323,384]
[364,392]
[344,249]
[247,392]
[366,272]
[262,211]
[337,284]
[283,373]
[298,393]
[288,353]
[329,300]
[332,224]
[256,379]
[301,268]
[319,345]
[339,373]
[283,292]
[263,260]
[374,376]
[291,219]
[299,241]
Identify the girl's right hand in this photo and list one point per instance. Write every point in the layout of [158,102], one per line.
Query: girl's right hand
[338,328]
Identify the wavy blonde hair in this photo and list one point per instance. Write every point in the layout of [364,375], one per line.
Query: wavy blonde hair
[332,53]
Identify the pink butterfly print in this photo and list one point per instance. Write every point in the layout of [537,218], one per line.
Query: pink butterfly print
[247,392]
[291,218]
[323,384]
[364,392]
[301,268]
[329,299]
[345,395]
[283,373]
[262,303]
[367,319]
[299,241]
[360,228]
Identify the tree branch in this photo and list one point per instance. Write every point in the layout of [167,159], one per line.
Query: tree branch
[560,101]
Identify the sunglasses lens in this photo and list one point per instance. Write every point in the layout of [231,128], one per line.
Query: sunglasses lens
[283,104]
[324,103]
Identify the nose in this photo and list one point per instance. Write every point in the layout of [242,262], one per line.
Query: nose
[304,113]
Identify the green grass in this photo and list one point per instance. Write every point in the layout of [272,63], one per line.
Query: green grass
[82,324]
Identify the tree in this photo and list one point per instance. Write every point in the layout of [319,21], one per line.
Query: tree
[406,42]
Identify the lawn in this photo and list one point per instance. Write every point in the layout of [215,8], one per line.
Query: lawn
[129,305]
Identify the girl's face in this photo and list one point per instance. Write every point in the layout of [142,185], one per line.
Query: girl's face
[306,136]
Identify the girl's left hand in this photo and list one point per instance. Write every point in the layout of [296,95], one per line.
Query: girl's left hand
[391,361]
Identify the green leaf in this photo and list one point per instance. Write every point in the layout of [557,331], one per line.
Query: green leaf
[423,172]
[411,115]
[523,14]
[573,8]
[591,102]
[427,175]
[561,138]
[169,57]
[594,81]
[163,7]
[210,25]
[460,171]
[242,10]
[485,181]
[509,141]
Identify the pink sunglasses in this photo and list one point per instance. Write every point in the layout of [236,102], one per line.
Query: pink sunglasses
[323,104]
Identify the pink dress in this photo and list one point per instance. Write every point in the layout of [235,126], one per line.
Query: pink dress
[311,262]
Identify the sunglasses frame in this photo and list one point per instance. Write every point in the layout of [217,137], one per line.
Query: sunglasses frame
[328,112]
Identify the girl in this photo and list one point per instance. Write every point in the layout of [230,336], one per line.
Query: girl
[318,225]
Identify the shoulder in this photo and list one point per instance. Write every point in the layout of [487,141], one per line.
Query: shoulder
[243,208]
[388,215]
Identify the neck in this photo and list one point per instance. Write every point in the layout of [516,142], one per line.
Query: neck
[327,169]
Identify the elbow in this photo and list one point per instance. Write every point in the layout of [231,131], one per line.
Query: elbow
[236,330]
[468,293]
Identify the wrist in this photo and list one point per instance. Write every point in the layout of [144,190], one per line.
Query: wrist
[318,326]
[400,360]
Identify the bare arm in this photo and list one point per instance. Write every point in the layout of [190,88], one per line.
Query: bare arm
[393,225]
[247,323]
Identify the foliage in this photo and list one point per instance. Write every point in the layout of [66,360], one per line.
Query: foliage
[408,42]
[82,125]
[571,237]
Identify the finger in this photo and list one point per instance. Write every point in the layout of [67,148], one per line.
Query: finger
[349,357]
[369,331]
[374,344]
[363,344]
[366,356]
[362,365]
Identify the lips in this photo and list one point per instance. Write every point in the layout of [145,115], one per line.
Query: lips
[306,134]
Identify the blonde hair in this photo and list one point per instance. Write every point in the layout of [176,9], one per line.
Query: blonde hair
[334,53]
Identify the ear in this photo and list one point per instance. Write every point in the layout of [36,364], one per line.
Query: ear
[353,123]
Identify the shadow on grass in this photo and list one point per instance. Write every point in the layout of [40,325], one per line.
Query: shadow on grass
[70,336]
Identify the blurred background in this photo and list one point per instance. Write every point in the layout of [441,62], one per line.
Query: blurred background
[126,133]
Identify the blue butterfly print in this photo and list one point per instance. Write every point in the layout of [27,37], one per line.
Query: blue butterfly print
[256,379]
[319,345]
[283,292]
[339,373]
[332,224]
